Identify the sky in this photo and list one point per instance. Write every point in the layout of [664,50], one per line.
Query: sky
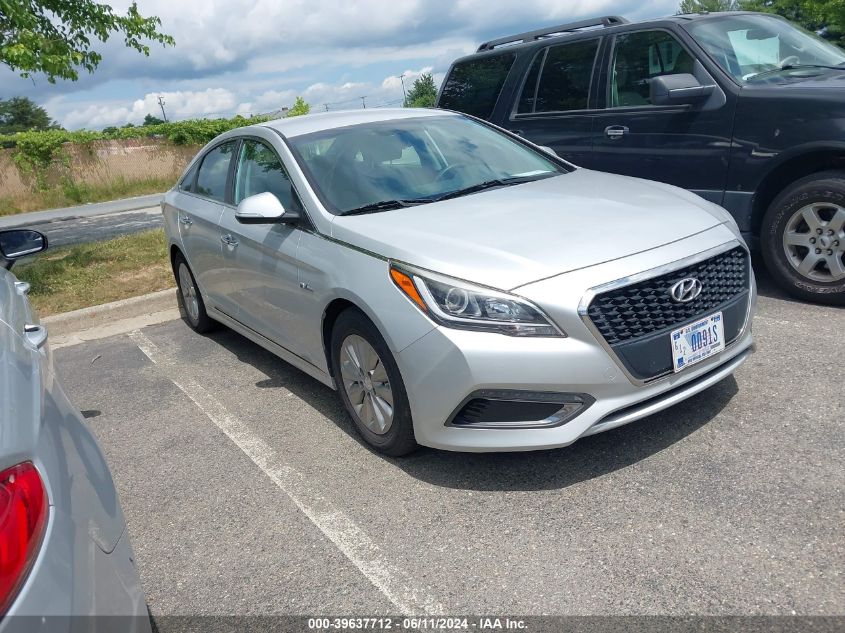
[255,56]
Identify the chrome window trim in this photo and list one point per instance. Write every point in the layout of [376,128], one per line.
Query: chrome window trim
[664,269]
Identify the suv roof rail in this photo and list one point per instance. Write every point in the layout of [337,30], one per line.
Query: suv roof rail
[532,36]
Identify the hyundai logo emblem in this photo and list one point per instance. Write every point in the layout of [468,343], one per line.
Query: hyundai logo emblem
[685,290]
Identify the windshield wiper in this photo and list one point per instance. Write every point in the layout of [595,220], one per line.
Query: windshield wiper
[793,67]
[385,205]
[490,184]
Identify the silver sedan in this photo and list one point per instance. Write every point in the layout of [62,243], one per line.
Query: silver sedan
[460,287]
[64,550]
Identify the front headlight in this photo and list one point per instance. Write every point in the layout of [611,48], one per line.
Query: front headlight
[462,305]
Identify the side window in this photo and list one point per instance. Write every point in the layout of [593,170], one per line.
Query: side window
[187,182]
[564,82]
[260,170]
[638,58]
[474,85]
[211,180]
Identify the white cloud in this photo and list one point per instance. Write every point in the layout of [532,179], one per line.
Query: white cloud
[250,56]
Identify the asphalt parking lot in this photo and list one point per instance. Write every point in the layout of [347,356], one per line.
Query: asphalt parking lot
[247,492]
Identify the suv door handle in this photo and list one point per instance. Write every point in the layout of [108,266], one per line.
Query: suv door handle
[616,131]
[35,334]
[186,221]
[229,240]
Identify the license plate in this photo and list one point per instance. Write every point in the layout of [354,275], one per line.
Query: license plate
[693,343]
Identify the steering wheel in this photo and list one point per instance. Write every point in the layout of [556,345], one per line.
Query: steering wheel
[450,171]
[789,61]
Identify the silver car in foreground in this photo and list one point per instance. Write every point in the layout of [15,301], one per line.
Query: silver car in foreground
[459,286]
[64,550]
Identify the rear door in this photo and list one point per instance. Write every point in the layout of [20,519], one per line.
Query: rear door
[555,105]
[683,145]
[199,213]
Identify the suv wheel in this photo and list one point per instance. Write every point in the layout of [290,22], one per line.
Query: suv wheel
[370,385]
[803,238]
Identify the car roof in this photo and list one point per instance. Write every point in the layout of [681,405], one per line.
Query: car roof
[296,126]
[560,35]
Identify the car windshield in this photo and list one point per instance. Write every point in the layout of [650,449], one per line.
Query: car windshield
[405,162]
[754,47]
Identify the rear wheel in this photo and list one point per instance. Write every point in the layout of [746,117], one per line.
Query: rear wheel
[803,238]
[370,385]
[190,300]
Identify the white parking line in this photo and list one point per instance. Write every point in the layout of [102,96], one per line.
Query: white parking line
[350,539]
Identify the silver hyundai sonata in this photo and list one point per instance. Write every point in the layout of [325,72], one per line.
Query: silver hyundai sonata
[460,287]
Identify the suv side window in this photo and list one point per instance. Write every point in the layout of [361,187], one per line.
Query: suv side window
[559,79]
[260,170]
[474,85]
[638,58]
[214,171]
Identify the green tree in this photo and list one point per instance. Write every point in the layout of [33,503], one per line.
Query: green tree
[825,16]
[54,36]
[423,92]
[20,114]
[152,120]
[708,6]
[299,108]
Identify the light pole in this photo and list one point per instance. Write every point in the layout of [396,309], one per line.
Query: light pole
[404,94]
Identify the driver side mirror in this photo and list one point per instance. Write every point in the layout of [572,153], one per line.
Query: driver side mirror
[264,208]
[17,243]
[680,89]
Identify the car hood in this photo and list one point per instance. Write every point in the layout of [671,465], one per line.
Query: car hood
[508,237]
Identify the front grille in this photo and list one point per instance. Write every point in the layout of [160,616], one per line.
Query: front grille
[643,308]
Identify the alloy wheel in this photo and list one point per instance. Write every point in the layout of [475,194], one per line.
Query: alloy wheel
[189,292]
[366,384]
[814,241]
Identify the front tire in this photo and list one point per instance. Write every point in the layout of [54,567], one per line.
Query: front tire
[803,238]
[370,385]
[191,305]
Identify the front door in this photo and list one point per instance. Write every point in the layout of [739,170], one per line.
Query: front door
[260,259]
[683,145]
[554,107]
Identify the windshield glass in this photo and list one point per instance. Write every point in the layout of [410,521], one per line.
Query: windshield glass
[747,46]
[413,161]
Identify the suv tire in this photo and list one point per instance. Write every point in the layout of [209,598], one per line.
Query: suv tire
[370,385]
[803,238]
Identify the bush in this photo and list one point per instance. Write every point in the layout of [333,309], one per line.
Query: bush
[35,152]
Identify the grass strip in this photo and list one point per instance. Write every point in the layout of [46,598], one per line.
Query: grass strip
[89,274]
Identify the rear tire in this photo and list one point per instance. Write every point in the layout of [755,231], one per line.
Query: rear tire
[803,238]
[191,305]
[370,385]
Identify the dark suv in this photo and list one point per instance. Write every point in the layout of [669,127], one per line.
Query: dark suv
[745,109]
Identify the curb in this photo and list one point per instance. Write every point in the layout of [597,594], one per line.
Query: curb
[95,316]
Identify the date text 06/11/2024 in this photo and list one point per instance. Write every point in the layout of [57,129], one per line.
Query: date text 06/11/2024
[417,623]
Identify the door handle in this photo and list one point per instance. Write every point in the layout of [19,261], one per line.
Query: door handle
[616,131]
[35,334]
[228,240]
[186,221]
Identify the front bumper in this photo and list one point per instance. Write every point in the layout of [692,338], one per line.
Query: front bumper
[446,366]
